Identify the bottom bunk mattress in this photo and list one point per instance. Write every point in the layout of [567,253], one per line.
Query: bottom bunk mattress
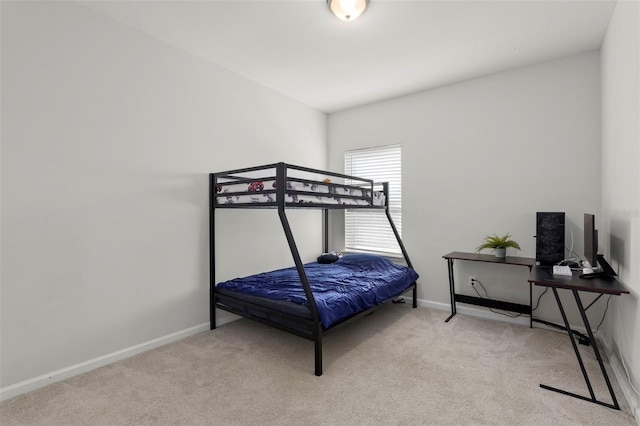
[351,284]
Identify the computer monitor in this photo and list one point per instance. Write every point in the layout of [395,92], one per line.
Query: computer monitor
[590,240]
[600,267]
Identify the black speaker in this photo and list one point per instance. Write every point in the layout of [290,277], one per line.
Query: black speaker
[549,238]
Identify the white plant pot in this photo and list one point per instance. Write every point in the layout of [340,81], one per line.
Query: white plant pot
[501,253]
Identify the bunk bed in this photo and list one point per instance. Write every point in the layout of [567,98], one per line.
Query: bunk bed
[312,299]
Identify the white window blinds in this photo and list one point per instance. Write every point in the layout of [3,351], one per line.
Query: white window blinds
[369,230]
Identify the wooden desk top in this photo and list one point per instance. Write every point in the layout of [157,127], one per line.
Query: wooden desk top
[543,276]
[490,258]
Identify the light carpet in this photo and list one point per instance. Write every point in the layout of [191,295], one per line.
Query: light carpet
[399,366]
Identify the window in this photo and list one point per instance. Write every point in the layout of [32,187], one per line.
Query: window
[369,230]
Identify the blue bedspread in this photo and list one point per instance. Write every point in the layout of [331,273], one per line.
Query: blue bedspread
[349,285]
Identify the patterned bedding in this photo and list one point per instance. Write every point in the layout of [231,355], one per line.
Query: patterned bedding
[298,192]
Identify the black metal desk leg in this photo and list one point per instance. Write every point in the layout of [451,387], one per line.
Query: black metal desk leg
[452,291]
[596,351]
[530,304]
[577,352]
[575,349]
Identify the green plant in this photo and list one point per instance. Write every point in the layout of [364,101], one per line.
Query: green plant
[494,241]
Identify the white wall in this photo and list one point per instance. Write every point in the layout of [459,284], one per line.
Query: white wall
[107,139]
[621,182]
[483,156]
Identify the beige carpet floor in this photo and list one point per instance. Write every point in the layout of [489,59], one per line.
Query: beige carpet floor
[399,366]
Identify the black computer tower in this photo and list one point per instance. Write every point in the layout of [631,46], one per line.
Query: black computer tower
[549,238]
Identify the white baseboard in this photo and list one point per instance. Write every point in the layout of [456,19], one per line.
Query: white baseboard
[480,312]
[476,312]
[67,372]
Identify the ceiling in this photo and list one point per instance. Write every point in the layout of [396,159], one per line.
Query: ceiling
[297,47]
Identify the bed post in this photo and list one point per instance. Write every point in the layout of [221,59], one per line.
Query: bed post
[281,180]
[212,253]
[317,327]
[325,228]
[317,341]
[385,187]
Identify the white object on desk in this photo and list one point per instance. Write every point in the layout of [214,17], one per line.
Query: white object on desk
[562,270]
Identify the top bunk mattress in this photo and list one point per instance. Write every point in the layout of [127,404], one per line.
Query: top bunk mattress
[349,285]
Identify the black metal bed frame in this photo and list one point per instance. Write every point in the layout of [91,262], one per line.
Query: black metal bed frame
[310,329]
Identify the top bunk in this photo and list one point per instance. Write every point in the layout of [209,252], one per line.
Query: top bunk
[284,185]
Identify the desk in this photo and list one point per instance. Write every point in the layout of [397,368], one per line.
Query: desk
[543,276]
[488,303]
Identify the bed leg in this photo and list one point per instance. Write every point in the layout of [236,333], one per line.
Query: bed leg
[212,308]
[415,296]
[318,352]
[212,325]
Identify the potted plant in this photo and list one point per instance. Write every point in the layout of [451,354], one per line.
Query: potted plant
[498,244]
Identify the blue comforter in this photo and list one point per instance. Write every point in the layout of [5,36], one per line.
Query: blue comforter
[349,285]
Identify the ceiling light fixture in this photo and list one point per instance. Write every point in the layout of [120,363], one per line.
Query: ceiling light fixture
[347,10]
